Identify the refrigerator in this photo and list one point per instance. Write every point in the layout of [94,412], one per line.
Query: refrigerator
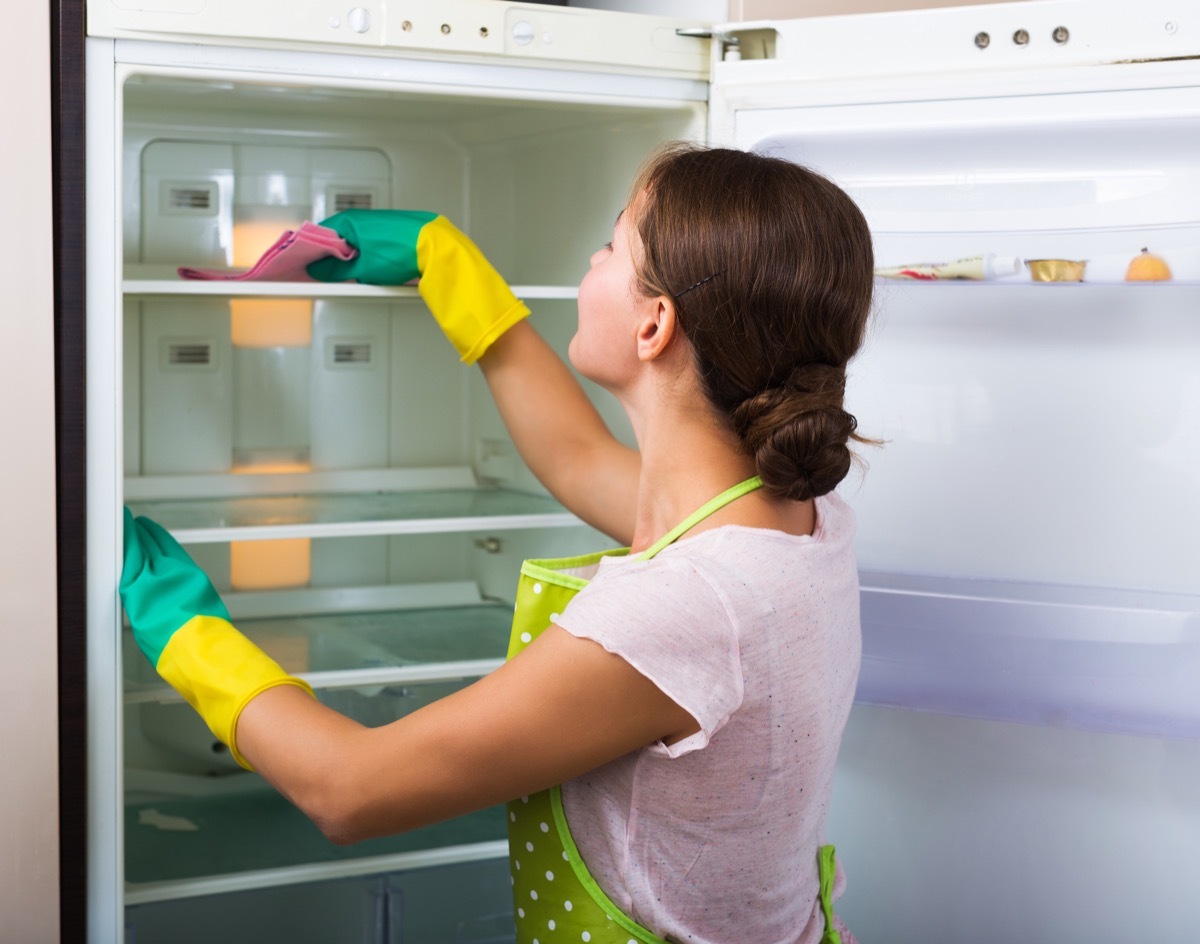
[1022,757]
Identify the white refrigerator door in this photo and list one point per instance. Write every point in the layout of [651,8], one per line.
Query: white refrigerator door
[1030,528]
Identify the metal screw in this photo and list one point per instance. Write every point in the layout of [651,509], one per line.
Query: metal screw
[1170,26]
[483,31]
[982,40]
[491,545]
[446,28]
[406,26]
[1061,34]
[1021,37]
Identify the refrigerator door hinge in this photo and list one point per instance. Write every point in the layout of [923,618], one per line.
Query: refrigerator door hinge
[730,44]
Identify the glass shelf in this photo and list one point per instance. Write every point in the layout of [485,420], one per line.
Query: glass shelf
[347,650]
[159,281]
[253,518]
[176,841]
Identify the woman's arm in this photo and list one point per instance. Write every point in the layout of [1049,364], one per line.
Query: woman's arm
[560,708]
[559,434]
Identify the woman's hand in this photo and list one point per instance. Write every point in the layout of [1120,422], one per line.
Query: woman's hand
[466,295]
[183,628]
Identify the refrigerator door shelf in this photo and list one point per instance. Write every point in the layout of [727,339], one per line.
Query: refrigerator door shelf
[1092,658]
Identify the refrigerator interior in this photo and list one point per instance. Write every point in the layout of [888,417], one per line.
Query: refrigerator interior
[345,482]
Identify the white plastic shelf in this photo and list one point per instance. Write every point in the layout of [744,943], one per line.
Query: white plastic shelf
[1083,657]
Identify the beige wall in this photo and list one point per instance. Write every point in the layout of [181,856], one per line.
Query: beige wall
[787,9]
[28,683]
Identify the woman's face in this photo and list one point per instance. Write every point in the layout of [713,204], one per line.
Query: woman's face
[604,346]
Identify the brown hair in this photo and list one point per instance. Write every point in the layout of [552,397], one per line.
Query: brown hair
[770,268]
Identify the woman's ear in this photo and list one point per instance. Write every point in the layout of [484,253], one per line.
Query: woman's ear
[657,328]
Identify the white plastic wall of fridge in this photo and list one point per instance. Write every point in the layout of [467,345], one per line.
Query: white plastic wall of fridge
[131,387]
[432,558]
[426,425]
[350,356]
[345,179]
[271,176]
[270,405]
[187,203]
[561,190]
[349,562]
[187,387]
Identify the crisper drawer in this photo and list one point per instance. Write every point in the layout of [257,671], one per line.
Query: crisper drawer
[463,903]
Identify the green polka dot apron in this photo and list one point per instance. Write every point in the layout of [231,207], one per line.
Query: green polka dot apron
[555,897]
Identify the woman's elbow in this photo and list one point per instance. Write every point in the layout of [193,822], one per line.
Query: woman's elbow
[339,811]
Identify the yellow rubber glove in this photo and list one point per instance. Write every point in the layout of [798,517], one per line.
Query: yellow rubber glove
[181,625]
[469,299]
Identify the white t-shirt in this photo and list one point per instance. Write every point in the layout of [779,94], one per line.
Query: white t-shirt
[756,634]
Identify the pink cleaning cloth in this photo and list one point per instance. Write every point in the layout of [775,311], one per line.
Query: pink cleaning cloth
[287,259]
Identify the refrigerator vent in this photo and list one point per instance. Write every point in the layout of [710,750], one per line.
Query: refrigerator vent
[353,200]
[190,354]
[347,353]
[182,198]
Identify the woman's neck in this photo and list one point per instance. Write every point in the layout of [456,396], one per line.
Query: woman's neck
[686,460]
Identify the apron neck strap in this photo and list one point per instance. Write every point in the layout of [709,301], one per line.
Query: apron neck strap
[700,514]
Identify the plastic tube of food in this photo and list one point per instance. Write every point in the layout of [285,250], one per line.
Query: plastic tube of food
[987,266]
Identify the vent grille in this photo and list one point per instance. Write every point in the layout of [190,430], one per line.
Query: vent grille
[353,200]
[346,353]
[189,354]
[190,198]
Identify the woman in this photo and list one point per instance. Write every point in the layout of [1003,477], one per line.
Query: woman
[689,696]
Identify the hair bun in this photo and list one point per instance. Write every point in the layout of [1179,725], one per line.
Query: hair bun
[798,433]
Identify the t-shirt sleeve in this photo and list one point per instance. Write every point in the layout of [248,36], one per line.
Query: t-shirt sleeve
[668,622]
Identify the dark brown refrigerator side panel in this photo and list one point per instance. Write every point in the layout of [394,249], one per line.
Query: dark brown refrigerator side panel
[67,91]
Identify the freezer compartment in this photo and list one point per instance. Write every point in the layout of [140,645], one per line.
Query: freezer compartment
[461,903]
[1094,658]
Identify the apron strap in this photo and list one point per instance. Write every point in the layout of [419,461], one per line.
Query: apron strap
[827,870]
[714,504]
